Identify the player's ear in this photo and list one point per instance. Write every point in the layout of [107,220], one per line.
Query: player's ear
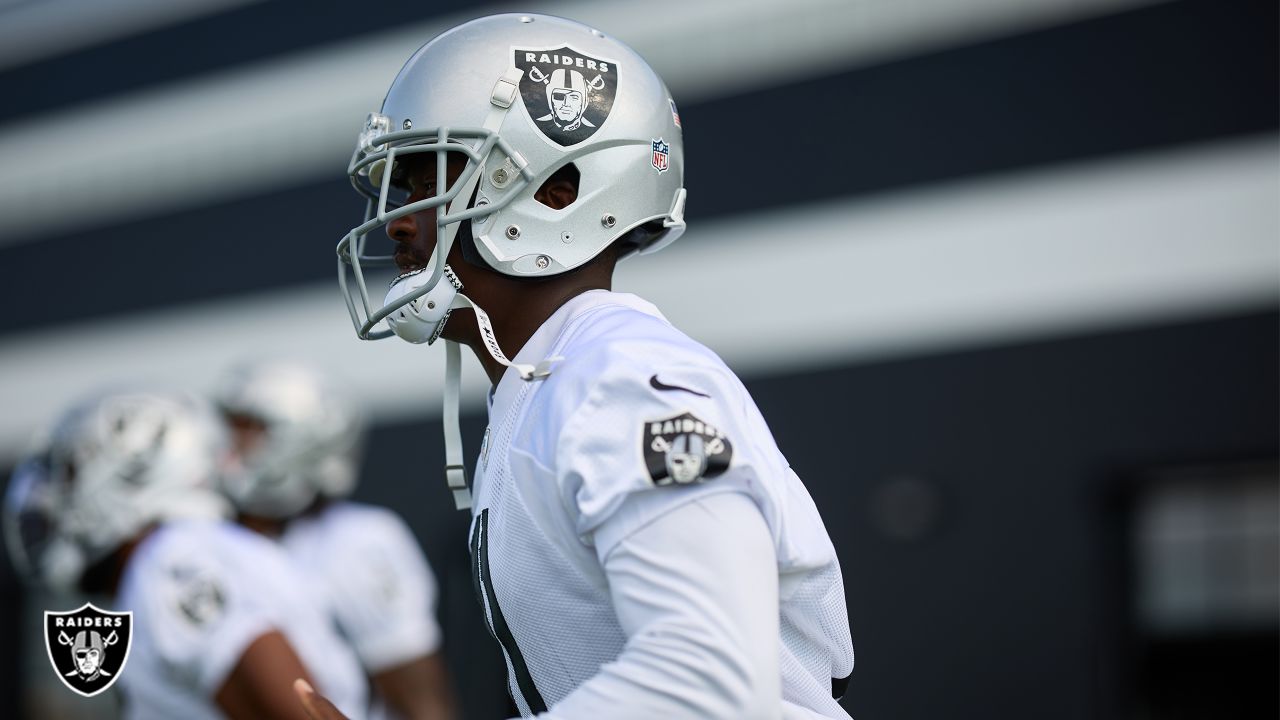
[561,189]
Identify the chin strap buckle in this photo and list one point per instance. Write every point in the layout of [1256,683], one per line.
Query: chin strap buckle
[456,475]
[455,471]
[507,89]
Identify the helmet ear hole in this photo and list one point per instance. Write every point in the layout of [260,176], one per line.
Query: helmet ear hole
[640,237]
[560,190]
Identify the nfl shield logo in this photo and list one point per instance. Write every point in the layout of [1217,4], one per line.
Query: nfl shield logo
[88,647]
[661,155]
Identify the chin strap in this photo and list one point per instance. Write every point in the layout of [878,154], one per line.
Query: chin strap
[455,471]
[454,468]
[505,92]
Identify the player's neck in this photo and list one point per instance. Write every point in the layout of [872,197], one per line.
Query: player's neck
[535,306]
[268,527]
[105,576]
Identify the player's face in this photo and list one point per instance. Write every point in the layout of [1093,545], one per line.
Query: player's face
[415,234]
[247,434]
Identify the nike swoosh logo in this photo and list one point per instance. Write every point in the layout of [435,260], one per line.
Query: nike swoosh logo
[659,385]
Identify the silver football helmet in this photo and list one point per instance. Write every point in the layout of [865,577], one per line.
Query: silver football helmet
[114,465]
[294,438]
[520,96]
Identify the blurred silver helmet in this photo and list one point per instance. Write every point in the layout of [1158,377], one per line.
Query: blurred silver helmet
[521,96]
[38,552]
[115,464]
[294,438]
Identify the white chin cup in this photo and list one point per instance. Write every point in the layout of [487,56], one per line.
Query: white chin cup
[421,320]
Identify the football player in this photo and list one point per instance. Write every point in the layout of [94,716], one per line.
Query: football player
[640,546]
[295,456]
[123,504]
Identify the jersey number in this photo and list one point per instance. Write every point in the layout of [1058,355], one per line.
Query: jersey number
[497,623]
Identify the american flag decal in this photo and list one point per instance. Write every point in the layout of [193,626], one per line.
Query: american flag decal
[661,155]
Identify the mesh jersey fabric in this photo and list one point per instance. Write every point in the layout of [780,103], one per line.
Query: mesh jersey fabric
[568,472]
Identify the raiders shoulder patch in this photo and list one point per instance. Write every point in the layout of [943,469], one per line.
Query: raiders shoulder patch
[682,449]
[197,595]
[568,94]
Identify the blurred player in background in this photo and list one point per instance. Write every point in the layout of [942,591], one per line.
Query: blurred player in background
[640,546]
[123,503]
[295,456]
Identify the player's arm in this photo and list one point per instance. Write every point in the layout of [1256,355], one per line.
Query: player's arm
[418,689]
[259,685]
[385,605]
[696,592]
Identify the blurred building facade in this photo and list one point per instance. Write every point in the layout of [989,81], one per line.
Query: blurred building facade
[1027,360]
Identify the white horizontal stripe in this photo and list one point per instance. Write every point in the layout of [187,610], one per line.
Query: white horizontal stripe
[1121,243]
[291,121]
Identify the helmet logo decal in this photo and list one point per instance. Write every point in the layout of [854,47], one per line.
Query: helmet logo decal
[683,449]
[661,155]
[567,94]
[88,647]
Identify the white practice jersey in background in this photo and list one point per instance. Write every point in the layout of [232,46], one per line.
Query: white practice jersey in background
[635,409]
[382,590]
[201,592]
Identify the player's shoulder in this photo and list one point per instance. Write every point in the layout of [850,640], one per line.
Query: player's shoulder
[625,369]
[625,349]
[625,326]
[210,543]
[187,573]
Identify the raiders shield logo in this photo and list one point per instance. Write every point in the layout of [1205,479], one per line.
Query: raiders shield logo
[88,647]
[567,94]
[683,449]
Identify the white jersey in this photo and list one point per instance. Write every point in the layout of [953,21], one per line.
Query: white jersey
[382,589]
[201,592]
[635,421]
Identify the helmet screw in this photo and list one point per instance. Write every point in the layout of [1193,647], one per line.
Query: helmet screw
[566,236]
[407,124]
[513,231]
[431,304]
[499,176]
[542,261]
[608,220]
